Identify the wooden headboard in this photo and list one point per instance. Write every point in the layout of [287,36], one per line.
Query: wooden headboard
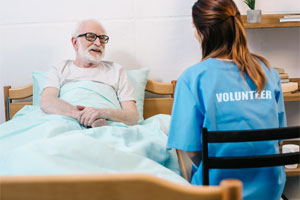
[18,93]
[152,106]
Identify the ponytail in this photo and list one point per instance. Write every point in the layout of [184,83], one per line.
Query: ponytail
[221,30]
[245,60]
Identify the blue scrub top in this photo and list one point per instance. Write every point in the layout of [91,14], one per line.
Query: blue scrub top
[213,94]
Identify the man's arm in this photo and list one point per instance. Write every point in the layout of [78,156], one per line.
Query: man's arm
[128,114]
[51,104]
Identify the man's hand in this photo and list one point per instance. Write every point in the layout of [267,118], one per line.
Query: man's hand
[88,115]
[99,123]
[95,123]
[80,107]
[127,115]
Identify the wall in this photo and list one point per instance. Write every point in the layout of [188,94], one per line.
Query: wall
[156,34]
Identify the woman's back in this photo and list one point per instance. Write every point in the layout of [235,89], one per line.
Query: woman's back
[231,89]
[217,97]
[232,101]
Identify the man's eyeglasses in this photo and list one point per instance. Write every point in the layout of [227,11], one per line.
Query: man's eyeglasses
[92,37]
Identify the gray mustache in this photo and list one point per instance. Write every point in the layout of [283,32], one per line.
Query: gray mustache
[96,48]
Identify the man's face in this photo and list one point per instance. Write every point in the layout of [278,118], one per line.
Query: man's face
[91,53]
[89,50]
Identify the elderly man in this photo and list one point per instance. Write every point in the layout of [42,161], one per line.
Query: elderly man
[89,43]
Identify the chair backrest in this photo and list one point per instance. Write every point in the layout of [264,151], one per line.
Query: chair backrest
[113,187]
[247,161]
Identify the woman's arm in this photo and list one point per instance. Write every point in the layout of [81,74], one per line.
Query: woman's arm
[195,156]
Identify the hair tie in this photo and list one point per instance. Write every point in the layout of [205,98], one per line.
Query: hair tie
[233,18]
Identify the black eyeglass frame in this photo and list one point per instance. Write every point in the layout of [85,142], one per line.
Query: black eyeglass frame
[101,37]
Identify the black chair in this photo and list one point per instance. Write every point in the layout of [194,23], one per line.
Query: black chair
[247,161]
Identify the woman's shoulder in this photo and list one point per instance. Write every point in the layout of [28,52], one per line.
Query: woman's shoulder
[197,69]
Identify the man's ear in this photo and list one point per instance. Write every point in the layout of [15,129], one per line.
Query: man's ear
[75,43]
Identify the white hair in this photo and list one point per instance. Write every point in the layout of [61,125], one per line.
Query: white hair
[79,24]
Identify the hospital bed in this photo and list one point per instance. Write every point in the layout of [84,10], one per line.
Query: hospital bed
[109,186]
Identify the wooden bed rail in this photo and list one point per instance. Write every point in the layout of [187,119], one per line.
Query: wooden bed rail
[160,88]
[16,93]
[112,187]
[21,92]
[157,105]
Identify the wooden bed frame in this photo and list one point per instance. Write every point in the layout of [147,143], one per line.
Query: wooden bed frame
[152,106]
[112,186]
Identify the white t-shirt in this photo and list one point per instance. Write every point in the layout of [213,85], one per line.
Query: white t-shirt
[109,73]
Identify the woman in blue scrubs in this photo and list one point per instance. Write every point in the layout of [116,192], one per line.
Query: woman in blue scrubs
[230,89]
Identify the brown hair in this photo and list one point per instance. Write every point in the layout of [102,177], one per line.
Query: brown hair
[219,25]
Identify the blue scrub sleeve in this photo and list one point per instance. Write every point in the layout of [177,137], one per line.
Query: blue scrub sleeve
[281,109]
[186,121]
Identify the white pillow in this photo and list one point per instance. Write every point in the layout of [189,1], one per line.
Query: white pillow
[138,78]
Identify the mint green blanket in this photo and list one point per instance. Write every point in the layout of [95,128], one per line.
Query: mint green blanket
[35,143]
